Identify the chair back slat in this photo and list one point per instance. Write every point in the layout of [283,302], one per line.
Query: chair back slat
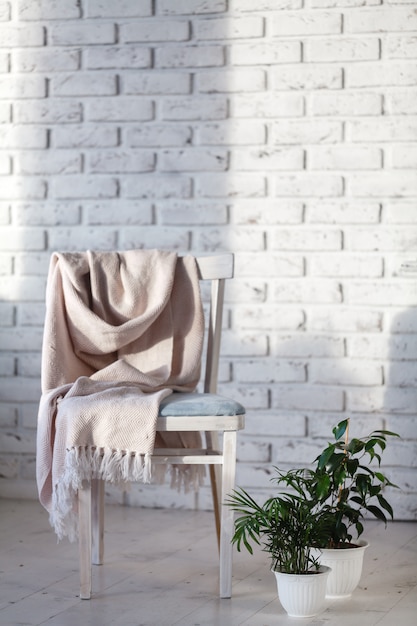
[217,269]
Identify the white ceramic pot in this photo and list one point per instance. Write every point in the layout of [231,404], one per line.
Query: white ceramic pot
[302,595]
[346,568]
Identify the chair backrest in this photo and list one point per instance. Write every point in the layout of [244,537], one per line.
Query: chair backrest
[217,269]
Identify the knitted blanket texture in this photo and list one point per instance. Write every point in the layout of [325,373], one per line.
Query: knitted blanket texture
[123,330]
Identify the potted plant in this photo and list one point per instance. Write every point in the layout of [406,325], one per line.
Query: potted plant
[287,525]
[345,485]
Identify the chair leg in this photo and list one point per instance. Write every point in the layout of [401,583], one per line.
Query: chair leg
[212,441]
[97,521]
[84,541]
[227,516]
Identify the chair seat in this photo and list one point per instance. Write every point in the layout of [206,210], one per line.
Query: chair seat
[198,404]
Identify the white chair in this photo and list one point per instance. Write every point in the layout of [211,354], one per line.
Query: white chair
[204,412]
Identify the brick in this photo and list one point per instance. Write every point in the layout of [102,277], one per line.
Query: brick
[120,57]
[28,163]
[192,7]
[7,365]
[20,87]
[31,314]
[46,214]
[399,213]
[12,238]
[119,109]
[269,371]
[379,239]
[304,131]
[312,291]
[231,133]
[189,56]
[248,290]
[265,53]
[346,104]
[158,186]
[230,81]
[230,185]
[120,161]
[32,264]
[329,4]
[401,103]
[383,129]
[306,76]
[380,399]
[268,5]
[264,316]
[164,31]
[403,375]
[268,159]
[384,293]
[47,112]
[28,288]
[267,213]
[345,212]
[9,467]
[340,319]
[123,8]
[159,135]
[306,23]
[338,372]
[404,156]
[312,398]
[5,112]
[29,365]
[4,62]
[246,345]
[342,49]
[308,185]
[402,47]
[48,10]
[7,313]
[6,267]
[5,164]
[193,160]
[46,61]
[17,442]
[151,237]
[391,184]
[381,75]
[253,451]
[84,84]
[82,238]
[380,20]
[84,187]
[237,239]
[18,35]
[5,214]
[156,83]
[302,239]
[117,213]
[28,413]
[4,11]
[271,265]
[21,138]
[85,136]
[229,28]
[344,158]
[191,213]
[82,34]
[346,265]
[26,189]
[192,109]
[269,105]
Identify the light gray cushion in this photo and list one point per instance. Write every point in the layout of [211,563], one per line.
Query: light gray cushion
[194,404]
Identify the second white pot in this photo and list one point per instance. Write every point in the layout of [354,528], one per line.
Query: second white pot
[346,568]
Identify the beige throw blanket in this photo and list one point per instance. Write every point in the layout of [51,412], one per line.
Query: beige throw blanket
[122,331]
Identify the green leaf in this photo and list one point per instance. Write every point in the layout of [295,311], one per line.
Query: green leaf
[325,456]
[340,429]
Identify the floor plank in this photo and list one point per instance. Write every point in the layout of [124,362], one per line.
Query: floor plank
[161,569]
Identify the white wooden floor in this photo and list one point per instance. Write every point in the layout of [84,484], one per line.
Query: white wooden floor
[161,569]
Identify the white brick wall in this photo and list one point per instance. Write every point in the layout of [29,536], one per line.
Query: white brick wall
[284,130]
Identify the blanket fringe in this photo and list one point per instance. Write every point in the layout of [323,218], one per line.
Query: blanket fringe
[114,466]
